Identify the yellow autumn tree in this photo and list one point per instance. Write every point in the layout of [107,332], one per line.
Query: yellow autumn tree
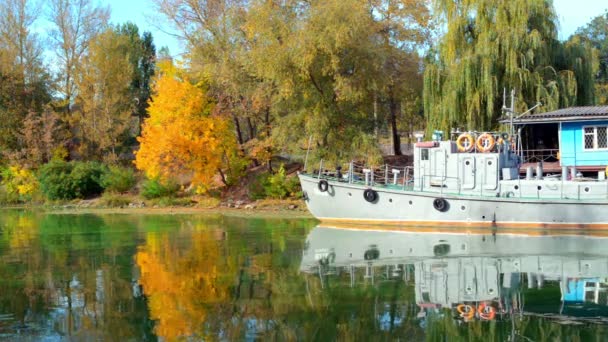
[185,286]
[181,136]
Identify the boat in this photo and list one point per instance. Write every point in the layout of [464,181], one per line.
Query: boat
[465,271]
[471,178]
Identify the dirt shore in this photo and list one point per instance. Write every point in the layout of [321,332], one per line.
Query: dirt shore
[280,209]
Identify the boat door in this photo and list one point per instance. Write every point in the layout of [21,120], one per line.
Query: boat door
[468,173]
[438,167]
[490,173]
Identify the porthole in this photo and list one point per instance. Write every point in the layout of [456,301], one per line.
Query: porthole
[539,187]
[516,187]
[489,162]
[349,194]
[483,217]
[390,251]
[390,200]
[586,189]
[350,255]
[463,208]
[410,202]
[467,163]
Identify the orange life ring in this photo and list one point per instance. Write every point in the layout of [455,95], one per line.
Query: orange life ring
[465,142]
[485,142]
[486,312]
[466,311]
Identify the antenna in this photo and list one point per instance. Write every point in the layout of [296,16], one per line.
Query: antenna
[512,111]
[307,150]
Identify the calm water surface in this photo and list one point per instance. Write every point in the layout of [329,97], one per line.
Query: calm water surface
[175,277]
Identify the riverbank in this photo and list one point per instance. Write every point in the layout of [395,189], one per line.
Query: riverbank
[289,208]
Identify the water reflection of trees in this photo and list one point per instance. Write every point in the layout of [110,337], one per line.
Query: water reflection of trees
[87,277]
[70,276]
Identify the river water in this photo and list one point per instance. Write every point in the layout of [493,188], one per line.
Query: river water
[211,277]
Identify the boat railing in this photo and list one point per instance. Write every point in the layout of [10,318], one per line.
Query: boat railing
[393,176]
[540,155]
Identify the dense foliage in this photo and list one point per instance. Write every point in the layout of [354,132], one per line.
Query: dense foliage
[61,180]
[596,34]
[118,179]
[182,136]
[491,45]
[263,79]
[155,188]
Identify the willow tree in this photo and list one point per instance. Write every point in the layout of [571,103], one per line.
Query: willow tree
[491,45]
[596,33]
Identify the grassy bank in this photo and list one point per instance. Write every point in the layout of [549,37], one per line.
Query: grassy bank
[131,204]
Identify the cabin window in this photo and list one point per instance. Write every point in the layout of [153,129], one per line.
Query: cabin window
[424,154]
[595,137]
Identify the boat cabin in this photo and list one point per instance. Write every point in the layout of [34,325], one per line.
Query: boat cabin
[575,137]
[488,164]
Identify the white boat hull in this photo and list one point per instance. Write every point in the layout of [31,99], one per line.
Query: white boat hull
[345,202]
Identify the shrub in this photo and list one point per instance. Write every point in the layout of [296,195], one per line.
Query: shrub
[114,200]
[87,178]
[69,180]
[277,186]
[118,179]
[19,184]
[257,188]
[55,181]
[154,188]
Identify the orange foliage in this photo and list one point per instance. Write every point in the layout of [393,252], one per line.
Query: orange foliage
[182,284]
[181,136]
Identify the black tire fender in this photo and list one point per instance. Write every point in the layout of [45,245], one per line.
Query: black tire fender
[440,204]
[370,195]
[323,185]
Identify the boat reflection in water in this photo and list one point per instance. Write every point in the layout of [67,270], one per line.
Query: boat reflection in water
[473,276]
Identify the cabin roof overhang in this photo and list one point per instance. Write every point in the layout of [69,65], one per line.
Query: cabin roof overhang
[572,114]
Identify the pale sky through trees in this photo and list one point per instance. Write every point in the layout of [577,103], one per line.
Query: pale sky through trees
[572,15]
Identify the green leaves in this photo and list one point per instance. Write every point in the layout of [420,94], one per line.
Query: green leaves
[491,45]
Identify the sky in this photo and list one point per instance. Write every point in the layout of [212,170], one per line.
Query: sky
[572,14]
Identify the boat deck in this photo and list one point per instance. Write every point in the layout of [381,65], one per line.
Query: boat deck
[555,167]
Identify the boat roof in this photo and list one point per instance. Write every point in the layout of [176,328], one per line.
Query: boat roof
[585,113]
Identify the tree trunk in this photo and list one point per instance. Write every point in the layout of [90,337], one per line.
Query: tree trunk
[237,127]
[222,176]
[394,108]
[250,128]
[268,132]
[251,132]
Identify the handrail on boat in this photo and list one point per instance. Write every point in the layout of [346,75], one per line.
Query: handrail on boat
[403,178]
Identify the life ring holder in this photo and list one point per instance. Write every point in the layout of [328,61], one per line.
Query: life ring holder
[370,195]
[440,204]
[465,142]
[485,142]
[466,311]
[486,312]
[323,185]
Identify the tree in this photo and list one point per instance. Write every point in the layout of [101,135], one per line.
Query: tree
[142,56]
[338,68]
[76,23]
[489,46]
[24,82]
[403,27]
[182,136]
[104,98]
[596,34]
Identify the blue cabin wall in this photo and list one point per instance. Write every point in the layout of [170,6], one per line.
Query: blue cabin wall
[571,146]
